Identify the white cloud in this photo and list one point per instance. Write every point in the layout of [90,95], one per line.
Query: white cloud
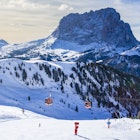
[130,1]
[64,7]
[21,5]
[117,1]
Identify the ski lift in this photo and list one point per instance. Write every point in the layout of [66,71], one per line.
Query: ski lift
[88,103]
[49,101]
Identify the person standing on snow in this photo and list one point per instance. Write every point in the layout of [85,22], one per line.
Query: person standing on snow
[23,110]
[108,122]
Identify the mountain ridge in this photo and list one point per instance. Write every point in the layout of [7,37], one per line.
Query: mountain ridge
[102,25]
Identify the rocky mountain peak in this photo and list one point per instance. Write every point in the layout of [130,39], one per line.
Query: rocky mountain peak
[3,42]
[98,26]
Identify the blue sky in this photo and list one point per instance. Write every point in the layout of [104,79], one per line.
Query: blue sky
[26,20]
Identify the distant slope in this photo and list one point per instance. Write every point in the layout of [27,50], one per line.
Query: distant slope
[26,84]
[9,113]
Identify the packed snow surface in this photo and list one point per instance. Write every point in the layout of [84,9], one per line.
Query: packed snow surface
[16,125]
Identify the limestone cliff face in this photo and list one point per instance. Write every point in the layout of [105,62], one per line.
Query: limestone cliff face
[103,25]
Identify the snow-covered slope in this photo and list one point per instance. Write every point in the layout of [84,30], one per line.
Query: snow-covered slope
[26,84]
[133,51]
[127,61]
[28,126]
[21,80]
[9,113]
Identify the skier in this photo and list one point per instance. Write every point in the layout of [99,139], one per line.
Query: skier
[39,125]
[76,127]
[108,123]
[23,110]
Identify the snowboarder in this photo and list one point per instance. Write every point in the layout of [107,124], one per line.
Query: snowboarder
[108,123]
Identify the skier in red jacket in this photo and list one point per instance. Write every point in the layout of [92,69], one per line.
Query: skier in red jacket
[76,127]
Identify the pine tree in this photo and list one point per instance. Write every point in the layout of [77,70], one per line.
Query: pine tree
[24,75]
[29,98]
[76,109]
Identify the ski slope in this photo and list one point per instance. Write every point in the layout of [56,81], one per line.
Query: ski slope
[14,125]
[15,92]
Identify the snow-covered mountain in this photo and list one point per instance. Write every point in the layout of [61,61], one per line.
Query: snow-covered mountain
[62,65]
[91,36]
[102,26]
[128,61]
[26,84]
[133,51]
[3,43]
